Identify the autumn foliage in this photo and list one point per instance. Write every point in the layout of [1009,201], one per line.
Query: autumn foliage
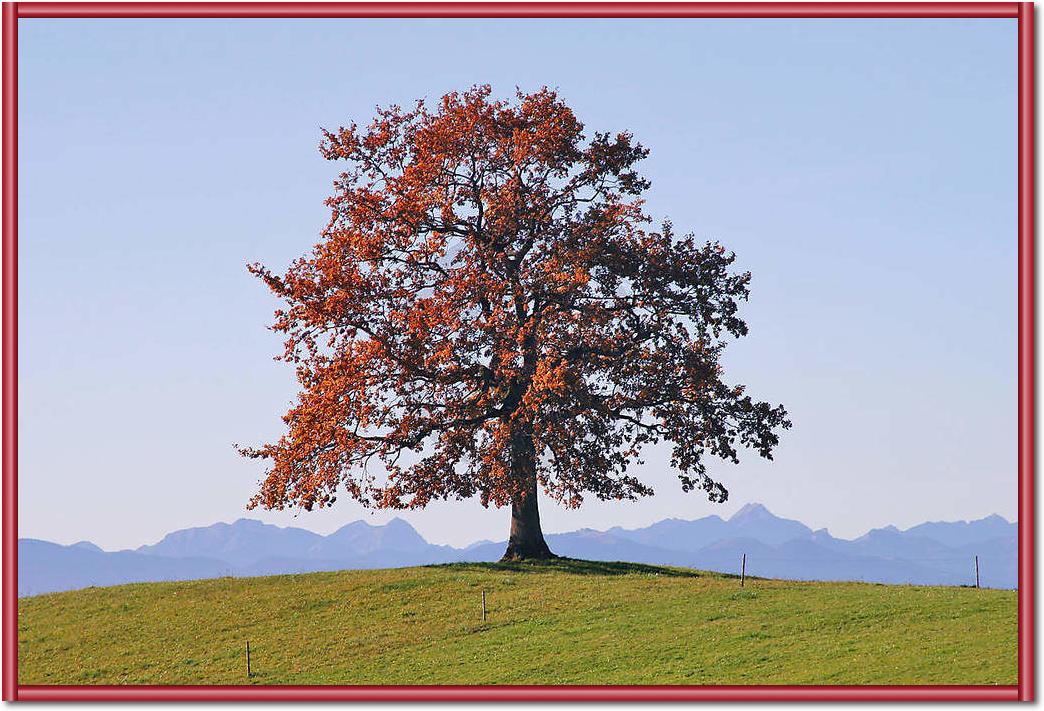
[489,310]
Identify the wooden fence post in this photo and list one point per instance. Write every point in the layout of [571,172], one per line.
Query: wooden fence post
[483,605]
[248,658]
[743,570]
[976,571]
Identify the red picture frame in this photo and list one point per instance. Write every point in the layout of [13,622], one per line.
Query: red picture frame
[1023,12]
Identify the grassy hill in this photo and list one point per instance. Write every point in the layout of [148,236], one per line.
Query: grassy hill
[566,622]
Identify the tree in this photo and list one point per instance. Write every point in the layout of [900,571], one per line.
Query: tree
[488,311]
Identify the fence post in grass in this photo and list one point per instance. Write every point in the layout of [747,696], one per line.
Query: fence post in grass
[248,658]
[976,571]
[743,570]
[483,605]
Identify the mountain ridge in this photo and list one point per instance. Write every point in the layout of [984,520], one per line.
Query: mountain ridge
[933,553]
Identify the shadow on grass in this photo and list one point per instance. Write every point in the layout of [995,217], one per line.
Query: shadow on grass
[574,566]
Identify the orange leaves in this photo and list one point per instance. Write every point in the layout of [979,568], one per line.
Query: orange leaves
[487,286]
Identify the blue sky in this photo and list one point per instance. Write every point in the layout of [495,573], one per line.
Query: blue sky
[863,170]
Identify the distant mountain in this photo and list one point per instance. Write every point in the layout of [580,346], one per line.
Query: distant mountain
[752,521]
[87,545]
[47,567]
[677,534]
[361,539]
[962,533]
[251,547]
[241,543]
[783,548]
[937,553]
[755,521]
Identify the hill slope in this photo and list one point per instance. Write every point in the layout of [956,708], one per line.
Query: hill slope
[567,622]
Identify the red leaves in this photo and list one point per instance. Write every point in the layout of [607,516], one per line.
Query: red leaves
[486,286]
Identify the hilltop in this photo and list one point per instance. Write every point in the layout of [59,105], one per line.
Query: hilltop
[563,622]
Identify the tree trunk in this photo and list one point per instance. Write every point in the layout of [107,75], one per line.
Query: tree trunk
[527,540]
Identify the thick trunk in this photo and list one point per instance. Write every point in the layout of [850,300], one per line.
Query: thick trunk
[526,540]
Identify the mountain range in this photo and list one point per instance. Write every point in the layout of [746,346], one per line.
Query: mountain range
[937,553]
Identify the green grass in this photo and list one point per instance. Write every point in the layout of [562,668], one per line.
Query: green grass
[566,622]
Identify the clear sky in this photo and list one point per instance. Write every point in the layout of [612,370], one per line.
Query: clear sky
[863,170]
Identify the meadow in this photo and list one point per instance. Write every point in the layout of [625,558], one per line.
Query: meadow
[561,622]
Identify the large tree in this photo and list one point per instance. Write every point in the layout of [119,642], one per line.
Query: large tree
[489,311]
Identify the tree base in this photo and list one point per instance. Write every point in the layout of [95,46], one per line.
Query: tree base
[533,551]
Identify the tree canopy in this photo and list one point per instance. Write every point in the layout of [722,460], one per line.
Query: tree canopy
[490,309]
